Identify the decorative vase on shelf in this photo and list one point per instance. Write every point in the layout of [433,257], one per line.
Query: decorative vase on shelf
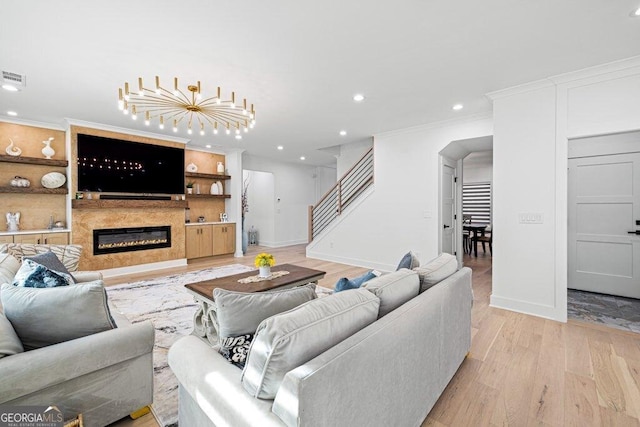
[12,150]
[189,190]
[47,151]
[264,271]
[245,239]
[220,168]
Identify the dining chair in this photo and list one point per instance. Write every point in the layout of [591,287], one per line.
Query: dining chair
[487,237]
[466,235]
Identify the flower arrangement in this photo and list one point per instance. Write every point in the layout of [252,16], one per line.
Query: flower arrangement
[265,260]
[190,184]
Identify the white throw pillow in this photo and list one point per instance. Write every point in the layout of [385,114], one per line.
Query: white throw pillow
[45,316]
[9,342]
[394,289]
[436,270]
[240,313]
[9,266]
[290,339]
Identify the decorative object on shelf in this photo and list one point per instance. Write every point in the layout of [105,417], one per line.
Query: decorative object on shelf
[224,217]
[245,209]
[19,181]
[190,187]
[253,236]
[214,189]
[264,262]
[220,167]
[53,180]
[58,225]
[79,196]
[197,188]
[220,187]
[48,151]
[12,150]
[13,221]
[190,108]
[187,215]
[200,219]
[192,167]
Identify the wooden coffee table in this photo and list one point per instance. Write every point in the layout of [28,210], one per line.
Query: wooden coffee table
[205,320]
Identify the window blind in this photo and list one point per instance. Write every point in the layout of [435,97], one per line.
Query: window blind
[476,201]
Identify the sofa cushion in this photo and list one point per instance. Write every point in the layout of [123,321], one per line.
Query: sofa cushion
[289,339]
[9,266]
[436,270]
[344,284]
[240,313]
[409,261]
[35,275]
[9,342]
[394,289]
[52,262]
[69,255]
[45,316]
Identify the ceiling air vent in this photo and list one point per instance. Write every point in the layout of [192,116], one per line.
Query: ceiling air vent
[15,79]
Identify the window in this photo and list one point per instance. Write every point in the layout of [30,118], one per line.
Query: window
[476,201]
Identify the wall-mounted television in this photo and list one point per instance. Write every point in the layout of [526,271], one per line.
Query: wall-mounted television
[115,166]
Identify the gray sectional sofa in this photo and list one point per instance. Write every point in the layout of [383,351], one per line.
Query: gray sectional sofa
[390,372]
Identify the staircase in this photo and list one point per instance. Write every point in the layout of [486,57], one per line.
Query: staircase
[353,183]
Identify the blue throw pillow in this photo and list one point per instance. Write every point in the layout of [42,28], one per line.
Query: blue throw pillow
[343,284]
[409,261]
[35,275]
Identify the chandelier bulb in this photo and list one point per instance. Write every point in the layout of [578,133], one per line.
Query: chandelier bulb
[175,123]
[120,105]
[189,131]
[228,131]
[147,122]
[246,129]
[215,131]
[201,132]
[238,136]
[161,126]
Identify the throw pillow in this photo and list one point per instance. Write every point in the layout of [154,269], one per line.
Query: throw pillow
[343,284]
[45,316]
[34,275]
[69,255]
[9,342]
[9,266]
[241,312]
[394,289]
[436,270]
[51,261]
[290,339]
[409,261]
[235,349]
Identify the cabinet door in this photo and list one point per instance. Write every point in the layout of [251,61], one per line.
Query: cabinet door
[230,238]
[206,241]
[199,241]
[55,238]
[6,239]
[28,238]
[224,239]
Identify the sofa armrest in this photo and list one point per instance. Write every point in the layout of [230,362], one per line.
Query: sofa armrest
[86,276]
[215,385]
[34,370]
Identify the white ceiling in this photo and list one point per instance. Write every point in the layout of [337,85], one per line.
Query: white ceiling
[300,62]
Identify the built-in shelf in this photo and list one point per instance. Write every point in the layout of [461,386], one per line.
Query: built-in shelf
[208,196]
[206,175]
[33,190]
[33,161]
[127,204]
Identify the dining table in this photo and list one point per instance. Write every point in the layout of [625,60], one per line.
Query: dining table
[476,229]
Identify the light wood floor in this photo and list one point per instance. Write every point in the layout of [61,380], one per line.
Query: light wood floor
[522,370]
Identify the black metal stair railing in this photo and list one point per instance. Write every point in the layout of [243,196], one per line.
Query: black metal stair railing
[346,191]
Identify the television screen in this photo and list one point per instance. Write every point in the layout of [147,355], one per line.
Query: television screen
[116,166]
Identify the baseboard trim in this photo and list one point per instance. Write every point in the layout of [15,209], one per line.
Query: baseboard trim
[524,307]
[350,261]
[143,268]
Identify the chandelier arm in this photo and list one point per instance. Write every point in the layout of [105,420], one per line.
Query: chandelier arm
[225,117]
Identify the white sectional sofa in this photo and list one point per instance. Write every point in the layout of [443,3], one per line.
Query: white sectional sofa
[390,372]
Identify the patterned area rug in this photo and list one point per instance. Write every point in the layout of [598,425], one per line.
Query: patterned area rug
[616,312]
[170,307]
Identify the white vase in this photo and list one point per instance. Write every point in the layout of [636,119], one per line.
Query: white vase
[264,271]
[220,167]
[47,151]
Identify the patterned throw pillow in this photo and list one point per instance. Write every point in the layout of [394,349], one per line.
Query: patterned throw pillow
[235,349]
[69,255]
[51,261]
[34,275]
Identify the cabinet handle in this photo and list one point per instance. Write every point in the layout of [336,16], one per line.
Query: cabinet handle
[46,239]
[38,241]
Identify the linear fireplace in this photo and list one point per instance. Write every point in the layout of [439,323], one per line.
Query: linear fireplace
[111,240]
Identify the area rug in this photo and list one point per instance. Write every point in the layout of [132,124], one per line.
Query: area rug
[170,308]
[613,311]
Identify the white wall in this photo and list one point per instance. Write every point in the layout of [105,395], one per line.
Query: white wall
[295,187]
[326,178]
[350,154]
[478,167]
[401,213]
[261,205]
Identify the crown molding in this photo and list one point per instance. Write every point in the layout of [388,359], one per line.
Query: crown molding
[33,123]
[109,128]
[631,65]
[520,89]
[435,125]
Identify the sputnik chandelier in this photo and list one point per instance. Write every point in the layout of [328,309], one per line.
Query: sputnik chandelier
[188,109]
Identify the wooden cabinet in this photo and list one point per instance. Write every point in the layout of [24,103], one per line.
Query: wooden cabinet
[224,239]
[6,239]
[199,241]
[42,238]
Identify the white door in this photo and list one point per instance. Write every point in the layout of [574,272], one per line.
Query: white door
[448,197]
[604,214]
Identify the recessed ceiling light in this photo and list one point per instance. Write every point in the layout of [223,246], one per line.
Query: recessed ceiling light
[12,113]
[343,132]
[458,107]
[302,157]
[208,145]
[635,13]
[280,147]
[358,97]
[10,88]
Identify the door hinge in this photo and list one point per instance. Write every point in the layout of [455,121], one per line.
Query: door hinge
[455,253]
[455,216]
[455,179]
